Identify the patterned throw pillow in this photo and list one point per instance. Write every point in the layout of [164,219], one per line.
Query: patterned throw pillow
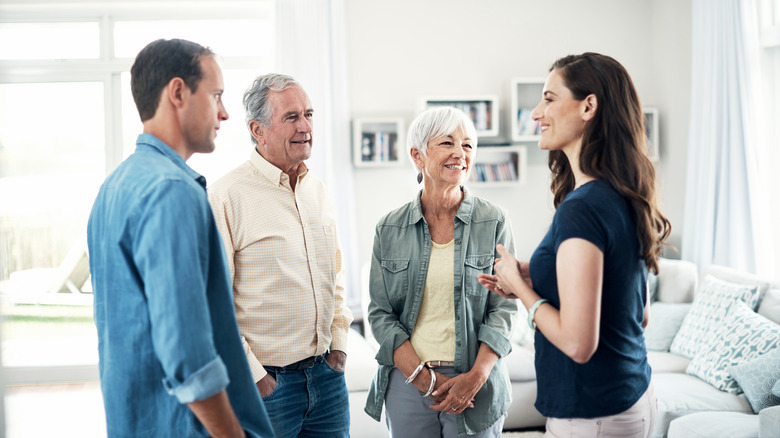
[710,306]
[756,378]
[776,389]
[665,322]
[739,337]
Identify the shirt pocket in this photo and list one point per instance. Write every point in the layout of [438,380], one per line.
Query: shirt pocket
[475,265]
[396,276]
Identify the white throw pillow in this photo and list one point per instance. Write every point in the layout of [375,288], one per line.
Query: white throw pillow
[665,321]
[741,336]
[710,306]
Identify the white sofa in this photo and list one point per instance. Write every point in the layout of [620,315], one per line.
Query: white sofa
[688,406]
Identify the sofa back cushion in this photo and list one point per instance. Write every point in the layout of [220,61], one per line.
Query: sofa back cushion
[676,281]
[710,305]
[739,337]
[665,322]
[770,306]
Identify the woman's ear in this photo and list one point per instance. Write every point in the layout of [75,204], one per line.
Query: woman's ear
[416,156]
[591,105]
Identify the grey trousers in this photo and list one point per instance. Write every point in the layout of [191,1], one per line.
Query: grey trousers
[410,416]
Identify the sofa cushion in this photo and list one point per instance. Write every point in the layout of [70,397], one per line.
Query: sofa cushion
[681,394]
[665,322]
[520,364]
[665,362]
[710,306]
[677,281]
[714,424]
[361,365]
[741,336]
[770,306]
[756,377]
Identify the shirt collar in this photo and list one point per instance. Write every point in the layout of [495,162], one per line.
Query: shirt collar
[158,145]
[464,210]
[273,173]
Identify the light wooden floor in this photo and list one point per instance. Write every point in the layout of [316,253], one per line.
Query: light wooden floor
[62,410]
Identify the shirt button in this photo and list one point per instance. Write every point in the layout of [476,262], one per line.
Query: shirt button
[458,343]
[457,241]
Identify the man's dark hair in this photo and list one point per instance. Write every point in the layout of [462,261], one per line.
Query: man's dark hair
[158,63]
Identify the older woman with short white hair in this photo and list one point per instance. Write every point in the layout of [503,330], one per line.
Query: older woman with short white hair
[442,335]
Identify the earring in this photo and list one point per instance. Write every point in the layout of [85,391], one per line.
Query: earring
[419,177]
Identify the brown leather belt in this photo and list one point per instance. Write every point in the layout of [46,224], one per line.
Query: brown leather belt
[439,363]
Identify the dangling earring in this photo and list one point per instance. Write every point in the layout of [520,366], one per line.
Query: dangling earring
[419,177]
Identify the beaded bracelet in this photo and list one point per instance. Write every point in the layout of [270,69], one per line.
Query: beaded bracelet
[532,312]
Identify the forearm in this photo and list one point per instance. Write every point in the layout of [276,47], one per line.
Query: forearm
[217,416]
[485,361]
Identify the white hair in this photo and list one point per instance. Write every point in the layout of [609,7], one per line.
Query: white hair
[438,122]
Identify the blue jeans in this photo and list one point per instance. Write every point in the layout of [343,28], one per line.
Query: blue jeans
[312,402]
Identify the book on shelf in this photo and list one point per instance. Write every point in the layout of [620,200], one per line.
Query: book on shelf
[378,147]
[480,112]
[526,125]
[494,172]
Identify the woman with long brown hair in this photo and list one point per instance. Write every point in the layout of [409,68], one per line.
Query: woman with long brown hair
[586,285]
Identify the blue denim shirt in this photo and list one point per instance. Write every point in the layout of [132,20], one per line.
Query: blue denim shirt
[164,311]
[399,268]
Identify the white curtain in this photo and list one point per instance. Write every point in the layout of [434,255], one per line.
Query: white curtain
[726,214]
[311,47]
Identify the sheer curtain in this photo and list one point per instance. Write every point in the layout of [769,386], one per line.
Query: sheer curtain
[726,207]
[311,47]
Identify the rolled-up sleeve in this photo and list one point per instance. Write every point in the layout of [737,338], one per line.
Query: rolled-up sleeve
[496,330]
[385,322]
[169,256]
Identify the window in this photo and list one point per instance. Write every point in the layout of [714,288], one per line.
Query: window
[66,119]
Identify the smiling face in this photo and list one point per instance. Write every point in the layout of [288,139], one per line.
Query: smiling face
[288,141]
[561,117]
[448,160]
[204,110]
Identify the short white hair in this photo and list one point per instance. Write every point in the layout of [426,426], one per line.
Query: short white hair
[438,122]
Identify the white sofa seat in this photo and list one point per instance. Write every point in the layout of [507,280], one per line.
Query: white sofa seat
[714,425]
[680,394]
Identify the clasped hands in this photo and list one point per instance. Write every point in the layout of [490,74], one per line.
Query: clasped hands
[455,394]
[509,275]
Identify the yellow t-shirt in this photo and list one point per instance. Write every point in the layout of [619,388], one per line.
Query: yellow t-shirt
[434,333]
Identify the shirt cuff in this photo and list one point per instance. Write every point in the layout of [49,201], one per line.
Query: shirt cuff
[339,340]
[495,340]
[257,369]
[209,380]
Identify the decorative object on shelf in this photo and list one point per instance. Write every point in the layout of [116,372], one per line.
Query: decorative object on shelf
[651,128]
[482,109]
[377,142]
[499,165]
[524,95]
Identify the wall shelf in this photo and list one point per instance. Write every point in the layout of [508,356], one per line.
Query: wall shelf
[499,166]
[378,142]
[524,95]
[482,109]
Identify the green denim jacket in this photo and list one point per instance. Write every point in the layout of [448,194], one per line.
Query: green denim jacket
[399,268]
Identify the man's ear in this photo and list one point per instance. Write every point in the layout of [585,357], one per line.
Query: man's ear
[257,130]
[177,92]
[590,105]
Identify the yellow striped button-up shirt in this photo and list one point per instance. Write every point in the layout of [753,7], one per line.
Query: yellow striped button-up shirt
[285,261]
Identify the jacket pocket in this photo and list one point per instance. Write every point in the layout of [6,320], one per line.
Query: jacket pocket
[475,265]
[396,276]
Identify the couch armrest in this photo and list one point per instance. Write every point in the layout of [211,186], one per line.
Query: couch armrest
[769,422]
[677,280]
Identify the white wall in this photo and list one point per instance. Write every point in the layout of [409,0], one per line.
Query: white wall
[402,49]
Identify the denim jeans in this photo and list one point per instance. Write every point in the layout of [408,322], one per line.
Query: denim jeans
[312,402]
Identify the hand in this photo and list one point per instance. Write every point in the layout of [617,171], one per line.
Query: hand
[337,359]
[460,391]
[491,283]
[266,385]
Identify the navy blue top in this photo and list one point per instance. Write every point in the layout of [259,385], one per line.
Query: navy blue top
[167,330]
[618,373]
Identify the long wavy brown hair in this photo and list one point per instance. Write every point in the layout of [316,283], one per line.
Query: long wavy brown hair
[614,146]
